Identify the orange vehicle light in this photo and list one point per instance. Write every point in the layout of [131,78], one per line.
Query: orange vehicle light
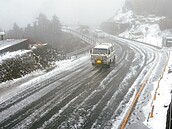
[98,62]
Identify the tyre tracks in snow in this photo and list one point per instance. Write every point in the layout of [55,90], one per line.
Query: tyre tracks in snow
[85,97]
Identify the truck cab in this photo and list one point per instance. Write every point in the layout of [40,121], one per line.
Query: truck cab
[103,54]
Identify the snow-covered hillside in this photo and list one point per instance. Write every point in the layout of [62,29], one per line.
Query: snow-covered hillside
[142,28]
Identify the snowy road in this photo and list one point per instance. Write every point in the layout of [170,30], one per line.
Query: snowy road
[78,95]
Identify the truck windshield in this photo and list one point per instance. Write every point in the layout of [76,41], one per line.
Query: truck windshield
[99,51]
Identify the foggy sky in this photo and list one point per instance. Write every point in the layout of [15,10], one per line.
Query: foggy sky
[89,12]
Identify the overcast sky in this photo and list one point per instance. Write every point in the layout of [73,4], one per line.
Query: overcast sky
[91,12]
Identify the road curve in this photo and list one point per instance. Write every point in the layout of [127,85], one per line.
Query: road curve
[82,97]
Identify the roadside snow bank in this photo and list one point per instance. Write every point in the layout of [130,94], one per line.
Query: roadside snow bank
[162,101]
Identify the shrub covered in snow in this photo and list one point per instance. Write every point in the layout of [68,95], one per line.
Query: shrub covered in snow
[45,56]
[19,64]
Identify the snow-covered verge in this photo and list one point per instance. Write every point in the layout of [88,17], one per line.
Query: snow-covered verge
[150,111]
[161,99]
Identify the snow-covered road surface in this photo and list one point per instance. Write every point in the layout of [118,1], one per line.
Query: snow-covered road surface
[78,95]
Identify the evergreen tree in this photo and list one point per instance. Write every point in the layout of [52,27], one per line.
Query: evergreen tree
[55,30]
[28,31]
[16,32]
[48,31]
[43,28]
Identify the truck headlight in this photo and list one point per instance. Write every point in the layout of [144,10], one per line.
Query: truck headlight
[98,61]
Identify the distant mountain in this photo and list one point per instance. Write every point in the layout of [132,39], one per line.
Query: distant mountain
[139,12]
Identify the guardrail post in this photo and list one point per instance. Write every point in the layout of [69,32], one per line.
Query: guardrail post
[151,114]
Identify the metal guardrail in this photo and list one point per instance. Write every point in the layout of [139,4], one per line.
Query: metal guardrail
[83,37]
[79,51]
[136,41]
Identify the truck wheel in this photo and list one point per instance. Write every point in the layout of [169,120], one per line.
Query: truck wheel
[114,60]
[108,65]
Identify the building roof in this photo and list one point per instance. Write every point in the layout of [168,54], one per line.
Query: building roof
[10,42]
[2,33]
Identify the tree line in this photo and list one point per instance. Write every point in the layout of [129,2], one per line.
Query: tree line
[42,30]
[48,31]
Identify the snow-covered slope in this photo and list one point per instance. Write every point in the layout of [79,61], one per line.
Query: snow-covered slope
[142,28]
